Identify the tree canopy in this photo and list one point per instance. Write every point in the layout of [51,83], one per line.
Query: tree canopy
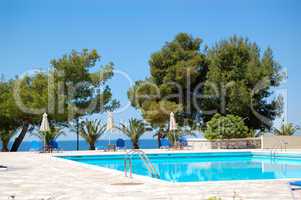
[175,69]
[72,88]
[77,90]
[240,82]
[232,77]
[9,114]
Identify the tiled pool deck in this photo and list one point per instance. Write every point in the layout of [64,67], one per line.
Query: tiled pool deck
[42,176]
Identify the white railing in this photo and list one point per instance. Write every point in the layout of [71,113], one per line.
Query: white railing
[274,150]
[142,155]
[281,145]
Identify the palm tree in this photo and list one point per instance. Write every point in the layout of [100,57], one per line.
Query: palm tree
[49,136]
[160,134]
[174,136]
[5,137]
[135,129]
[286,129]
[91,131]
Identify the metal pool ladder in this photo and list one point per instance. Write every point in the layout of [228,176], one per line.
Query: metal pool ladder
[274,150]
[281,146]
[142,155]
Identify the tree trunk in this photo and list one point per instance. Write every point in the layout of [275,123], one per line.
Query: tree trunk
[20,138]
[92,146]
[77,134]
[135,145]
[159,139]
[5,147]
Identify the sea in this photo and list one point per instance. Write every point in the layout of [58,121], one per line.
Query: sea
[70,145]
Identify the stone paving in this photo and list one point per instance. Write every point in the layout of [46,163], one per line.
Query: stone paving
[34,176]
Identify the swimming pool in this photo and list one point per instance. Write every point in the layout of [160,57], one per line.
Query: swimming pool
[196,167]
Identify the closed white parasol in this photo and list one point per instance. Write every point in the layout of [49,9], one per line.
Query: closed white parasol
[45,124]
[173,125]
[45,127]
[172,122]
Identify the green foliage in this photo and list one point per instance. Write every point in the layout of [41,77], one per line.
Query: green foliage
[176,59]
[157,113]
[233,77]
[70,90]
[286,129]
[49,136]
[174,136]
[240,79]
[145,97]
[226,127]
[84,92]
[9,114]
[5,137]
[178,66]
[91,131]
[31,96]
[134,130]
[29,99]
[8,111]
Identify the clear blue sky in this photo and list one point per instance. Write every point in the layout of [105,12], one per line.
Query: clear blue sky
[127,32]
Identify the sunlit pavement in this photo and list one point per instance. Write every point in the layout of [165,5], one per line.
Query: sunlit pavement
[42,176]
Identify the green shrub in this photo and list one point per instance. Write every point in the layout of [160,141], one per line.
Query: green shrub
[226,127]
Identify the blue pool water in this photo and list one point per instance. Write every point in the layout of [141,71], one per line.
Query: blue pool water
[193,167]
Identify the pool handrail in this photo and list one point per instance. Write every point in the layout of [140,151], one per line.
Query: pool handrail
[282,145]
[142,155]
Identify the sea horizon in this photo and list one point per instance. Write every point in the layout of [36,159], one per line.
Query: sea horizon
[70,145]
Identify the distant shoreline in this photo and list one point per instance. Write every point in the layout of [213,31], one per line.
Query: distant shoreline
[69,145]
